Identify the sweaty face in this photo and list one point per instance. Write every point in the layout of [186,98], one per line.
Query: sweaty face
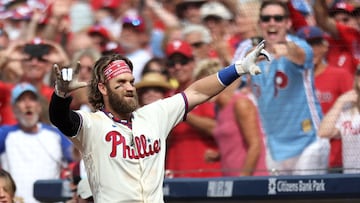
[122,95]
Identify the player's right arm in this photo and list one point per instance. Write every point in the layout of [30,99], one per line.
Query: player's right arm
[207,87]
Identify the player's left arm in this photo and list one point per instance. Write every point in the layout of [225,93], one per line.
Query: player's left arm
[207,87]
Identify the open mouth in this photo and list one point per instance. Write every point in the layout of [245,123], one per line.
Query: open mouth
[29,113]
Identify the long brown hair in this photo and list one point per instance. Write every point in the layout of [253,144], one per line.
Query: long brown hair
[10,183]
[95,97]
[357,88]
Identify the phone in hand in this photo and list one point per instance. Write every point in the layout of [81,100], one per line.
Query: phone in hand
[37,50]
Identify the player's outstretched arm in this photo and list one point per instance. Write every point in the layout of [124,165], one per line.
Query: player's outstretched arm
[60,114]
[205,88]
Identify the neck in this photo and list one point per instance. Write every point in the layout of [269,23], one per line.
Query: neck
[319,68]
[29,129]
[125,117]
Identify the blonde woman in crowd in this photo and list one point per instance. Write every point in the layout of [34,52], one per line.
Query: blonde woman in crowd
[343,120]
[237,131]
[85,57]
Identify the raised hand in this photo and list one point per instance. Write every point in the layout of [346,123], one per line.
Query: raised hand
[67,80]
[248,63]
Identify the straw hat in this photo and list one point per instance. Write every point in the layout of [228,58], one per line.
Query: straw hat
[153,79]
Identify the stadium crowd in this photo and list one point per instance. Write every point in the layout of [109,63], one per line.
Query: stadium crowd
[300,116]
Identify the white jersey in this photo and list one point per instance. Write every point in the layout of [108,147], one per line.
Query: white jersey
[125,165]
[29,157]
[348,124]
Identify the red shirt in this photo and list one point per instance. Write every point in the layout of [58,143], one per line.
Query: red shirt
[345,51]
[6,112]
[187,146]
[329,85]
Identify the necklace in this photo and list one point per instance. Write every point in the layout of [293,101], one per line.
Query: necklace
[127,123]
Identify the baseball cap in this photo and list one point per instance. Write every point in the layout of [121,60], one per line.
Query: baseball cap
[153,79]
[22,12]
[10,3]
[83,189]
[310,32]
[99,30]
[20,89]
[109,4]
[215,9]
[112,47]
[341,7]
[179,47]
[134,21]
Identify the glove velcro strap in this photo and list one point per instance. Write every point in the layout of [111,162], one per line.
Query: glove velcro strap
[227,75]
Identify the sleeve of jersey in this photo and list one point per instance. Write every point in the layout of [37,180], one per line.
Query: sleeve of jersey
[66,120]
[166,113]
[308,52]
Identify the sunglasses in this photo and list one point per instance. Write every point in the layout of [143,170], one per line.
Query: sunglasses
[277,18]
[213,18]
[315,41]
[197,44]
[172,62]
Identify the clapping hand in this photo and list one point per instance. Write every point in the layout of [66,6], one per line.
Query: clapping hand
[67,80]
[248,64]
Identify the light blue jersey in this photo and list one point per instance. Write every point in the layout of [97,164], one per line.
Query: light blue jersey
[289,109]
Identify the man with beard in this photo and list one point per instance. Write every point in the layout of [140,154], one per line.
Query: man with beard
[31,150]
[124,145]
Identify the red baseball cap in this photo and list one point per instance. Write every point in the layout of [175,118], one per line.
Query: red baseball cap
[98,29]
[179,47]
[341,7]
[111,4]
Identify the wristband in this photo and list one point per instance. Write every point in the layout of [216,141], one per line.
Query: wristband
[227,75]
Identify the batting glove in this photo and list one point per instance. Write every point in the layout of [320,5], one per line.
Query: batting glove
[66,80]
[248,64]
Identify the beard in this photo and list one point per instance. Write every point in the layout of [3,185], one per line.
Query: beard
[27,122]
[120,105]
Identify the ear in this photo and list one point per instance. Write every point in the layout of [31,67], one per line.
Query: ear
[102,88]
[289,24]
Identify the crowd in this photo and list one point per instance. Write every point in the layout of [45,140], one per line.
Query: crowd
[299,116]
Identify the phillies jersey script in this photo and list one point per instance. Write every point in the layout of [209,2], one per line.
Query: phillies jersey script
[138,148]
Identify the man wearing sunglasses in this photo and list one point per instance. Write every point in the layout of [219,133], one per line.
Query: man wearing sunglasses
[288,105]
[339,21]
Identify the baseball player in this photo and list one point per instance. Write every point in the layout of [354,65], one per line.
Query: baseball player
[123,145]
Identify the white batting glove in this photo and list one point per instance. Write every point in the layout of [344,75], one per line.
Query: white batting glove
[66,80]
[248,64]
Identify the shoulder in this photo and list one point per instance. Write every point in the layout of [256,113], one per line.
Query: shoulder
[243,103]
[5,129]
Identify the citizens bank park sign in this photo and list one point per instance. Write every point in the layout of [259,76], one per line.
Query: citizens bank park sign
[265,187]
[276,186]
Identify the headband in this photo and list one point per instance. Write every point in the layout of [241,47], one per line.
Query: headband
[116,68]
